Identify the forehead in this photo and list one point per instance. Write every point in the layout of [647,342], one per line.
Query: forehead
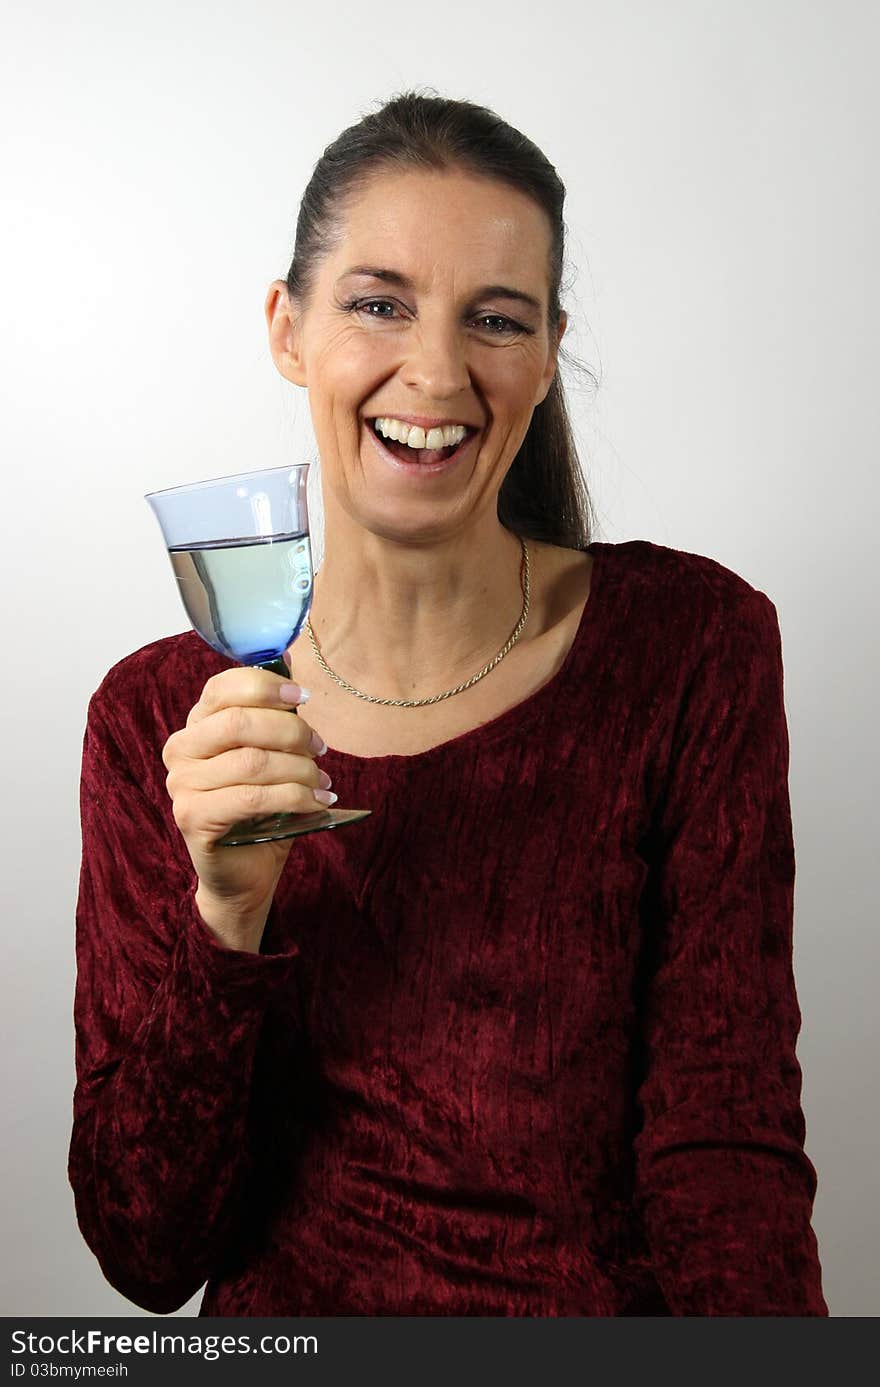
[445,222]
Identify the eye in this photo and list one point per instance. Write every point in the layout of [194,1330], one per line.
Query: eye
[506,325]
[384,311]
[366,305]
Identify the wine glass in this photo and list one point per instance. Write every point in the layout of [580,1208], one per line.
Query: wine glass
[240,550]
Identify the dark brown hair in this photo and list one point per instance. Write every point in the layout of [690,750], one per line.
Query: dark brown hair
[544,495]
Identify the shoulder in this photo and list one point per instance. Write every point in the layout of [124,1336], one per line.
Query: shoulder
[695,644]
[160,668]
[671,615]
[674,572]
[673,587]
[147,695]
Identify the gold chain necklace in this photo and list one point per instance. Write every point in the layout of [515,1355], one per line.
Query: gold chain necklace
[420,702]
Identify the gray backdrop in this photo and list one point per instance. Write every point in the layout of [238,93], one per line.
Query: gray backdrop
[723,253]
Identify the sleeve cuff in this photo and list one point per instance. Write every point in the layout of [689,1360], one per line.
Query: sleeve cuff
[235,972]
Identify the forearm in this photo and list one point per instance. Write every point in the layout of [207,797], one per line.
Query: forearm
[730,1235]
[159,1150]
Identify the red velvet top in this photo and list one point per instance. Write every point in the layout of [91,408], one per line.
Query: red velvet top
[520,1043]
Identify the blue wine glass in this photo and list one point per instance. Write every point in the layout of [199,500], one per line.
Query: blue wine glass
[240,550]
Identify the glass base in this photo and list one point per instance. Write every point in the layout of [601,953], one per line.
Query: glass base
[277,826]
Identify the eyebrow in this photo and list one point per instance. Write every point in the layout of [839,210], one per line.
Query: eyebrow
[402,281]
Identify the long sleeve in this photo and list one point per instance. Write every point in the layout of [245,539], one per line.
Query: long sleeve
[723,1184]
[168,1023]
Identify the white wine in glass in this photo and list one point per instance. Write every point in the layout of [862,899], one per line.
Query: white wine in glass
[240,550]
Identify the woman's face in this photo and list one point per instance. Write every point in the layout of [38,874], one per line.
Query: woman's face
[429,335]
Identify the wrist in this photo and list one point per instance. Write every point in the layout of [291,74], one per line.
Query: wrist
[232,925]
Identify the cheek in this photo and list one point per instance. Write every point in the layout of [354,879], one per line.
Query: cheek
[347,375]
[513,381]
[345,349]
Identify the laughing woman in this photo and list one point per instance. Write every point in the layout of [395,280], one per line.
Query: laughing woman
[522,1042]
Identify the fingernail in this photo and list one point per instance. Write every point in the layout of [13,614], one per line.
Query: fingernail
[325,796]
[324,780]
[294,693]
[317,743]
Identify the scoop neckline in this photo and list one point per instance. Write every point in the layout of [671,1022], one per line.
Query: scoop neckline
[487,732]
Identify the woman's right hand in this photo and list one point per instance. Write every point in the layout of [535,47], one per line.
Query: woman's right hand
[242,754]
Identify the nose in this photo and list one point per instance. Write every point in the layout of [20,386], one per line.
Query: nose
[436,365]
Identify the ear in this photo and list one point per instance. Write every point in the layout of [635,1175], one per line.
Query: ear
[552,357]
[285,333]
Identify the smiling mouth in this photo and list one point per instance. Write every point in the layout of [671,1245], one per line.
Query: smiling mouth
[419,456]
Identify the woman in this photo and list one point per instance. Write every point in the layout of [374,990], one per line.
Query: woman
[522,1042]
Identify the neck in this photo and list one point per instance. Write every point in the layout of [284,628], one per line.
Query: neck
[405,619]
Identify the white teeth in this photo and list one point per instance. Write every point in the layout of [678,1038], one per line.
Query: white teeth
[413,436]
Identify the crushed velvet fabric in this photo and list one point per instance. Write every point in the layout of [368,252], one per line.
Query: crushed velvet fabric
[520,1043]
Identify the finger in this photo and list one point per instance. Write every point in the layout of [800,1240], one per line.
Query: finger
[248,765]
[210,813]
[269,728]
[244,686]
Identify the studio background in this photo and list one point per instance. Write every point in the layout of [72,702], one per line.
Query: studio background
[722,285]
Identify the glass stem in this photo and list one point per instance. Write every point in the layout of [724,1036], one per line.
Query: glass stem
[276,667]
